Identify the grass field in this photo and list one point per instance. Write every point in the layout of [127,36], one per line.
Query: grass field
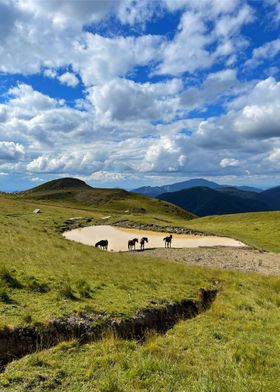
[234,346]
[257,229]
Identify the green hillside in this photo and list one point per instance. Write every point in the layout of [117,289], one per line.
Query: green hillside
[258,229]
[118,203]
[231,347]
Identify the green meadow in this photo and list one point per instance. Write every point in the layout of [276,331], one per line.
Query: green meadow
[234,346]
[257,229]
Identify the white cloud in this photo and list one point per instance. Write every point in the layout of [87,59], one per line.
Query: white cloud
[276,9]
[260,116]
[215,87]
[69,162]
[104,176]
[205,23]
[123,100]
[11,151]
[69,79]
[264,52]
[99,59]
[274,156]
[165,155]
[124,126]
[229,162]
[50,73]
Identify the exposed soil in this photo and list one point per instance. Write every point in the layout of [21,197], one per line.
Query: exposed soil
[20,341]
[242,259]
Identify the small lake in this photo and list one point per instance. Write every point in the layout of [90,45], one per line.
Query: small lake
[118,238]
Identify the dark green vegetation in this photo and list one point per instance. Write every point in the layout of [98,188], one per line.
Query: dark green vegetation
[234,346]
[203,201]
[154,191]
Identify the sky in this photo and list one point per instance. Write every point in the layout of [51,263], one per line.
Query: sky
[125,93]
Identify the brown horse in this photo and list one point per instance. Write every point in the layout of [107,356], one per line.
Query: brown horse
[142,242]
[103,244]
[168,241]
[131,244]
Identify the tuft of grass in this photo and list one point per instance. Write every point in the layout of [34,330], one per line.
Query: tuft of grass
[4,297]
[67,292]
[83,288]
[36,286]
[9,279]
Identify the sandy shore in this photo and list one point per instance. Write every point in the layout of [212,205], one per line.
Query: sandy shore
[242,259]
[118,238]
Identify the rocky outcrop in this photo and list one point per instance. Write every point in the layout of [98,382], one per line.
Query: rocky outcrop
[20,341]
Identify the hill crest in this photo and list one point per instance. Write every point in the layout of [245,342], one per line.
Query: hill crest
[60,184]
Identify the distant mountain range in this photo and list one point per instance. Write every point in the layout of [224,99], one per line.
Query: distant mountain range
[203,201]
[154,191]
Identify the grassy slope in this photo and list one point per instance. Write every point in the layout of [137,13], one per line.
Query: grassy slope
[260,229]
[115,202]
[31,247]
[232,347]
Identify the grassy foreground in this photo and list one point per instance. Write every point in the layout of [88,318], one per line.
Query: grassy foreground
[232,347]
[42,275]
[259,229]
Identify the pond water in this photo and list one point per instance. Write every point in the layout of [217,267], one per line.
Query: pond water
[118,238]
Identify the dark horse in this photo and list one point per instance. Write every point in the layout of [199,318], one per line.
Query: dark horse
[131,244]
[142,242]
[168,241]
[103,244]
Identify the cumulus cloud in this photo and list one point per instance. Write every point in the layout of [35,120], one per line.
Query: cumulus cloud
[68,162]
[260,116]
[214,88]
[136,90]
[165,155]
[69,79]
[112,57]
[11,151]
[189,50]
[122,99]
[50,73]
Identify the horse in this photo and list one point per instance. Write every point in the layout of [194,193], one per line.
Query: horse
[131,244]
[142,242]
[103,244]
[168,241]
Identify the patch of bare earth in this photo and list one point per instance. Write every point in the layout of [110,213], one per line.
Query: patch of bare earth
[242,259]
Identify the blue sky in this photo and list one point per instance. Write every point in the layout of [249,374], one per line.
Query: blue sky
[129,93]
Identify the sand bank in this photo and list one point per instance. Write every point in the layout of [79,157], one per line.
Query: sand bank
[119,237]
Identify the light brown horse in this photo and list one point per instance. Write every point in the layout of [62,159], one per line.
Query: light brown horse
[131,244]
[142,242]
[168,241]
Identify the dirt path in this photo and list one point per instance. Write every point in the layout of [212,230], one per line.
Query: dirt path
[242,259]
